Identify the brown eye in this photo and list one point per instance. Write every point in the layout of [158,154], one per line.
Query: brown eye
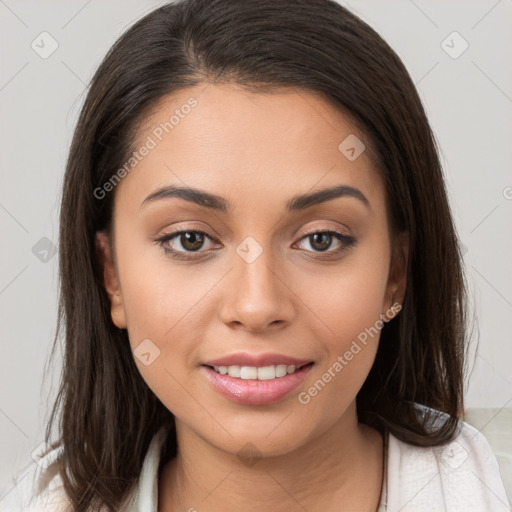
[191,240]
[320,241]
[184,242]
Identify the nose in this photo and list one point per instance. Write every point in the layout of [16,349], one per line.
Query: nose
[256,296]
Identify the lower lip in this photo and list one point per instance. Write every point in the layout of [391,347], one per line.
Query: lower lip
[256,392]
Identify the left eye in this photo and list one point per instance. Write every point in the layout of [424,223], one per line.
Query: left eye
[321,241]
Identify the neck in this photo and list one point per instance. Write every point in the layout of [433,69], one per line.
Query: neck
[344,465]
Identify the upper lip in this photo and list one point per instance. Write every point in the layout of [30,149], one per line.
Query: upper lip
[246,359]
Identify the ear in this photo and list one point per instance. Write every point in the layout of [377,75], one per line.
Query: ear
[397,280]
[104,254]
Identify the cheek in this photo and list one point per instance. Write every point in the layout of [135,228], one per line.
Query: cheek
[345,309]
[349,341]
[170,323]
[346,298]
[159,294]
[167,307]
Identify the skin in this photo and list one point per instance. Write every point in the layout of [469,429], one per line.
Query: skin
[257,151]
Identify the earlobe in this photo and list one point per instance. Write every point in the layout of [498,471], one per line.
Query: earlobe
[106,263]
[117,311]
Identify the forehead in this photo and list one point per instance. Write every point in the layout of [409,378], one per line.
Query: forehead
[230,140]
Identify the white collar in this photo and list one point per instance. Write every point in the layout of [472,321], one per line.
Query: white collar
[145,496]
[464,475]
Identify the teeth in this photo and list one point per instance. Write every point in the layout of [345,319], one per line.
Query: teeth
[281,370]
[248,372]
[256,373]
[233,371]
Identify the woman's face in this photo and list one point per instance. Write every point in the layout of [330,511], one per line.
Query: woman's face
[256,272]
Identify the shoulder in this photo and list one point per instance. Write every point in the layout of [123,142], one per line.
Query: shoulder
[459,476]
[38,487]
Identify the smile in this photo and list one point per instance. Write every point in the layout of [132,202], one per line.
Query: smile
[253,385]
[257,373]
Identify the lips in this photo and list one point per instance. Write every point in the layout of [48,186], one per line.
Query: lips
[246,359]
[256,392]
[256,379]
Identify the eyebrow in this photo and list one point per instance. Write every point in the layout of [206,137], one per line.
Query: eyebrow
[215,202]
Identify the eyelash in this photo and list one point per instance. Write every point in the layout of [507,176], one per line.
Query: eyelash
[347,243]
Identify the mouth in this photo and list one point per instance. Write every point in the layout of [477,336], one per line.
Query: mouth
[256,385]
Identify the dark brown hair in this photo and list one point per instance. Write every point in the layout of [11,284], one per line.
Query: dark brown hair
[107,413]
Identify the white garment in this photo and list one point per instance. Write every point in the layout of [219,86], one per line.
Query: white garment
[462,476]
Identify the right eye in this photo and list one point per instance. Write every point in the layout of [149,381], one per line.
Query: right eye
[191,241]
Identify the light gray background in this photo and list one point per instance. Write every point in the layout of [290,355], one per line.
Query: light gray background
[468,101]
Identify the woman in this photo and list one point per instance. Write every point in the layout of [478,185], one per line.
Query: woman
[261,286]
